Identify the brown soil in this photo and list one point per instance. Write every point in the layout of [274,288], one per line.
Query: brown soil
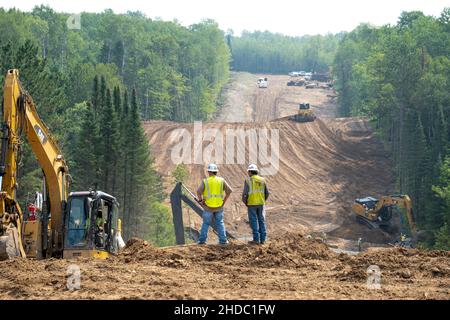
[289,267]
[324,166]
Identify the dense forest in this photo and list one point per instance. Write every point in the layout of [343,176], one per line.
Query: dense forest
[399,77]
[176,71]
[265,52]
[93,86]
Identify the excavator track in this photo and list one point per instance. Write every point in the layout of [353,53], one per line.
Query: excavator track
[367,222]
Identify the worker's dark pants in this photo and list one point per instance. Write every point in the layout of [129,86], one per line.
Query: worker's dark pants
[257,219]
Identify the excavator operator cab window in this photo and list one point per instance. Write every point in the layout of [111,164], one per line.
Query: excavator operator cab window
[78,221]
[105,226]
[101,216]
[91,222]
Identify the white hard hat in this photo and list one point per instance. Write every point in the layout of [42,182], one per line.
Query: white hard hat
[212,167]
[252,167]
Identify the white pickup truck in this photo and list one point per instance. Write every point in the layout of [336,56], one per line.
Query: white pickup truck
[262,83]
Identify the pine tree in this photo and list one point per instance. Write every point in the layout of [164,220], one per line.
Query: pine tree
[109,132]
[118,55]
[124,163]
[143,184]
[86,175]
[95,99]
[117,142]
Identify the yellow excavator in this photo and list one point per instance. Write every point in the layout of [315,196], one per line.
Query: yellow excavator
[76,224]
[378,213]
[304,114]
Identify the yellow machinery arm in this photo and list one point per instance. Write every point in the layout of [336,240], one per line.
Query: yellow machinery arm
[20,115]
[406,202]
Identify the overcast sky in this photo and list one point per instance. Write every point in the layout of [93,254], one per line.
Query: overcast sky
[285,16]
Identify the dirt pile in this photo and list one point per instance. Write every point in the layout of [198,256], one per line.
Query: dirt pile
[289,252]
[137,249]
[289,267]
[323,166]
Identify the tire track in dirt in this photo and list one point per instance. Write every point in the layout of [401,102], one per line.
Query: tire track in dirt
[323,165]
[322,168]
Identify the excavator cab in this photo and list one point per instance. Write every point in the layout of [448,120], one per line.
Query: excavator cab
[91,225]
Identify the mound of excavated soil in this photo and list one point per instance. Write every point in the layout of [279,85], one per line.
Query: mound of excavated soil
[322,168]
[289,267]
[323,165]
[294,251]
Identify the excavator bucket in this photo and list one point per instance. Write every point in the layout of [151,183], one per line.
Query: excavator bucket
[10,244]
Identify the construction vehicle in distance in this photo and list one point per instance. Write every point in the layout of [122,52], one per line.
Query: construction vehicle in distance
[262,83]
[304,114]
[69,225]
[311,85]
[296,82]
[378,213]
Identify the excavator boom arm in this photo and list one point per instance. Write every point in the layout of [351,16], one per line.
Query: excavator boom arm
[20,115]
[406,202]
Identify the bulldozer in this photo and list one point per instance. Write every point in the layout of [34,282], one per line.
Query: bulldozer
[70,224]
[379,213]
[304,114]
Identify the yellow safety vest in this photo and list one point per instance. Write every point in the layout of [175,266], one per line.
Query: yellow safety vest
[213,192]
[256,191]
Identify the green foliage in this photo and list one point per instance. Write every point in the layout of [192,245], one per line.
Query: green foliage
[39,79]
[180,173]
[442,190]
[115,157]
[399,76]
[164,61]
[265,52]
[158,228]
[94,86]
[443,238]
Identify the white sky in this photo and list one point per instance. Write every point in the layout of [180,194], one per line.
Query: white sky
[285,16]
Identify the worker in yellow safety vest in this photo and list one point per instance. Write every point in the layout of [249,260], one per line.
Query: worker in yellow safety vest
[212,194]
[254,197]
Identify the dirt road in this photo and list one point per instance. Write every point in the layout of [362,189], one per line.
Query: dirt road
[323,166]
[247,103]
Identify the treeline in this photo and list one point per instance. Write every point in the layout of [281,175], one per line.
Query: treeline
[93,86]
[103,141]
[111,153]
[177,71]
[399,76]
[266,52]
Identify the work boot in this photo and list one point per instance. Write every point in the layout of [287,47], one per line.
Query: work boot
[253,242]
[224,243]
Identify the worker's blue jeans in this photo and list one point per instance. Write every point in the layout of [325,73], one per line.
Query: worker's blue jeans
[257,219]
[220,225]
